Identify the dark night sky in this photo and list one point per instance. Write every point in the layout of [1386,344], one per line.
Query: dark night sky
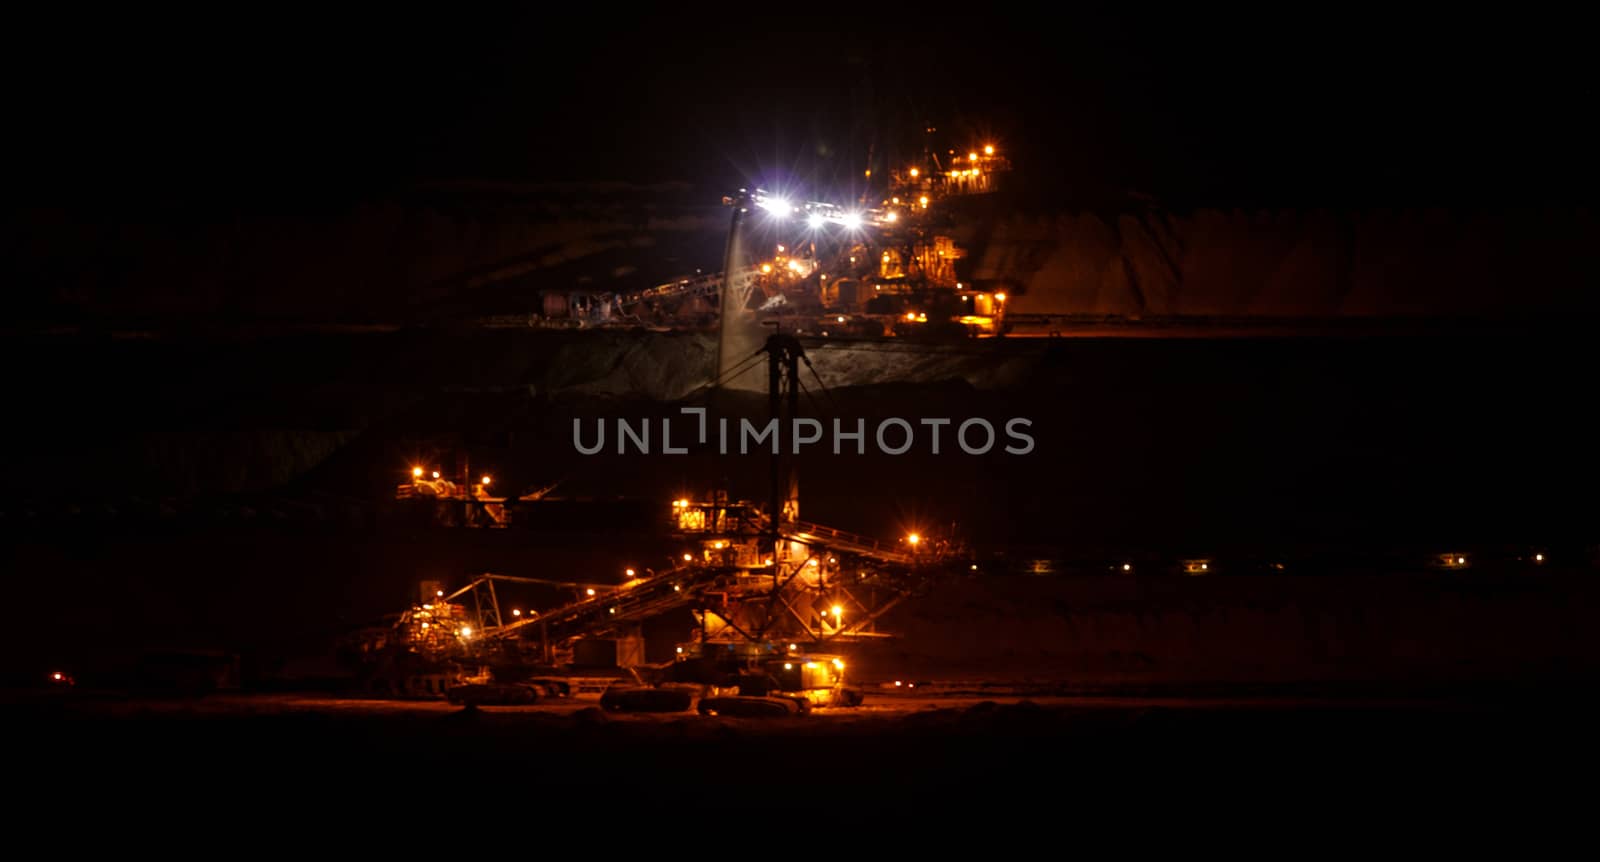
[1343,106]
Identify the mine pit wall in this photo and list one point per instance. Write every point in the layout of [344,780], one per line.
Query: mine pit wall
[1382,629]
[1286,264]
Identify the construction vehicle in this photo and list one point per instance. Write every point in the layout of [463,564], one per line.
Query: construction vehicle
[772,596]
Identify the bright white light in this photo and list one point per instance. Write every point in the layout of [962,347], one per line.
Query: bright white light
[841,319]
[779,207]
[466,631]
[590,591]
[851,221]
[891,216]
[815,221]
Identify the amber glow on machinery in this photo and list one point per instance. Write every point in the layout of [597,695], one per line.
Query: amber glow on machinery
[838,664]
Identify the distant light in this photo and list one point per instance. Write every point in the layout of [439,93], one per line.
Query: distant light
[792,647]
[629,572]
[768,562]
[815,221]
[688,557]
[416,472]
[837,611]
[988,149]
[56,676]
[438,592]
[779,207]
[1461,561]
[788,666]
[851,221]
[611,610]
[838,664]
[1127,567]
[515,612]
[1538,558]
[972,156]
[780,249]
[796,265]
[436,474]
[891,216]
[914,538]
[766,268]
[424,626]
[832,560]
[924,201]
[590,591]
[1204,566]
[466,631]
[914,173]
[974,567]
[427,607]
[894,200]
[676,588]
[911,315]
[841,318]
[897,683]
[680,649]
[1000,297]
[486,480]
